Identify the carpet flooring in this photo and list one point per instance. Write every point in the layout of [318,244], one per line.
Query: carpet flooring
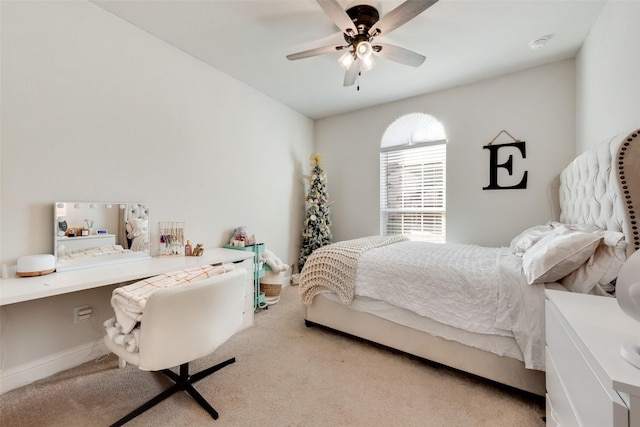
[286,375]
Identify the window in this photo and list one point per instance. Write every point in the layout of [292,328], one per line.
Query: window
[413,179]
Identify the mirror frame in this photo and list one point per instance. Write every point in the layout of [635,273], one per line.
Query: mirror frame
[90,234]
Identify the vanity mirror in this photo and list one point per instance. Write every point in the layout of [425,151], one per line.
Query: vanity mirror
[88,234]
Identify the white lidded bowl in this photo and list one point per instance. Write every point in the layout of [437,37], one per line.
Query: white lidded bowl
[35,265]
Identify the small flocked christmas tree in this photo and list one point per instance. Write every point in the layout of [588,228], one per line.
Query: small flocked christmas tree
[317,224]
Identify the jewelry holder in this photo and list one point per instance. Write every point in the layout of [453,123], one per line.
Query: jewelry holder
[171,238]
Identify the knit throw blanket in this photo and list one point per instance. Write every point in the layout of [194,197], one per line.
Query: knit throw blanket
[333,267]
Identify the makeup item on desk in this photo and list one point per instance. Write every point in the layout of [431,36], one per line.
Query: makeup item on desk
[188,249]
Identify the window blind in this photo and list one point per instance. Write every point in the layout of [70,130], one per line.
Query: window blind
[412,192]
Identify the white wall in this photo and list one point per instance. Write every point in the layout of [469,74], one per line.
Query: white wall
[608,88]
[94,109]
[536,105]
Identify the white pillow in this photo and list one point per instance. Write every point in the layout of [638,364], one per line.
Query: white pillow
[557,254]
[529,237]
[595,275]
[136,227]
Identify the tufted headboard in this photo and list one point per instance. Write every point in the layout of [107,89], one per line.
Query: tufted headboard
[602,187]
[137,210]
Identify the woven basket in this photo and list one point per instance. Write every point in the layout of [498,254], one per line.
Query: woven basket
[270,289]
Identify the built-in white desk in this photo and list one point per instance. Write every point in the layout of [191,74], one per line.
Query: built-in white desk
[20,289]
[16,290]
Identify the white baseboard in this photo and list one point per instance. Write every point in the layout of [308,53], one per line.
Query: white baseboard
[27,373]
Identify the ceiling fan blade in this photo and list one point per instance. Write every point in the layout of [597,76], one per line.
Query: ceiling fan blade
[338,15]
[314,52]
[398,54]
[398,16]
[351,74]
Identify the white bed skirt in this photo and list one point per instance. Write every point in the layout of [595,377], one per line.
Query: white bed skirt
[500,345]
[496,358]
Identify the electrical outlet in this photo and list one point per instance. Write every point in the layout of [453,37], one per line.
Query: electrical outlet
[81,313]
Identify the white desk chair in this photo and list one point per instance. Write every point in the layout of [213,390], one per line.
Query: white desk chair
[184,323]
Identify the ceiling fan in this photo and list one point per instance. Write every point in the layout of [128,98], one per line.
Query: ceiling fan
[360,24]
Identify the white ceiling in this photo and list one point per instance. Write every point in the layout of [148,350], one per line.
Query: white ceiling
[464,41]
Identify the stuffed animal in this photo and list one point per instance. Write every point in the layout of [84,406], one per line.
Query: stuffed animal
[276,264]
[198,250]
[240,237]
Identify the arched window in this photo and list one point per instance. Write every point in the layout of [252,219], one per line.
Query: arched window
[413,159]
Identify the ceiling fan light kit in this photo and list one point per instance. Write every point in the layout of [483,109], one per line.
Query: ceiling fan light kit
[363,50]
[360,24]
[366,63]
[346,60]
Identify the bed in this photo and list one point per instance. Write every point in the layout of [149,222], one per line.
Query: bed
[481,310]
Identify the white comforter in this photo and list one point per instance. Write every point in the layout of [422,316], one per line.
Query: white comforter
[478,289]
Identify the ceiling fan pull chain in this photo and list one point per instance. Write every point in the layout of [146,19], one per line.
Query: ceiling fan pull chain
[358,87]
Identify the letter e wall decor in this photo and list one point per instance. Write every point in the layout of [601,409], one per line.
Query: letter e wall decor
[508,164]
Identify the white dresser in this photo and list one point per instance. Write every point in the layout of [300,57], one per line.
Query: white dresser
[588,382]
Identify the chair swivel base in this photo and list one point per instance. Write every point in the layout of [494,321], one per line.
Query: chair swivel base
[183,382]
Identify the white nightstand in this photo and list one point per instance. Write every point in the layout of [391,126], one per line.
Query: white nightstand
[588,382]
